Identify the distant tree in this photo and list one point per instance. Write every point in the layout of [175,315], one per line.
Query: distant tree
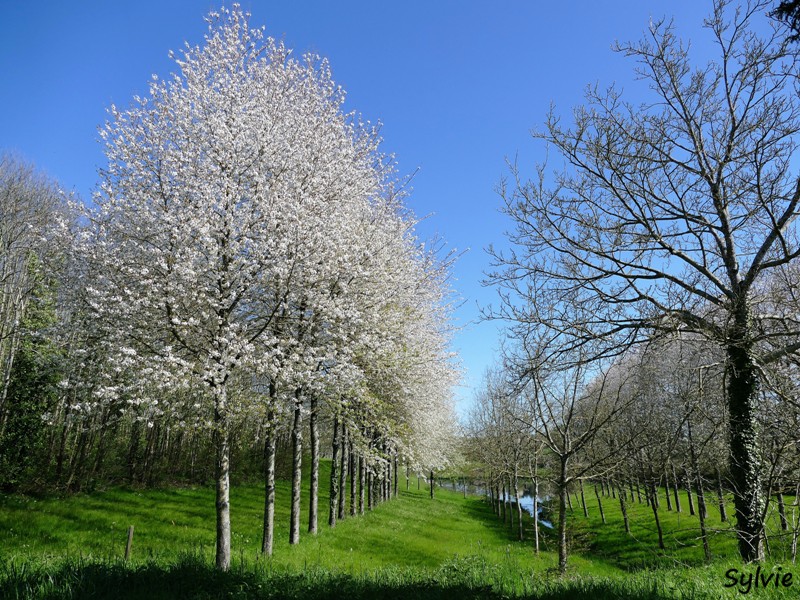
[33,218]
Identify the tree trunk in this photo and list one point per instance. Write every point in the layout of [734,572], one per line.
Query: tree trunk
[600,505]
[510,506]
[297,470]
[519,505]
[675,484]
[782,510]
[334,483]
[394,470]
[362,476]
[624,509]
[795,522]
[269,489]
[651,491]
[704,534]
[745,464]
[562,518]
[370,500]
[351,467]
[666,491]
[313,488]
[583,499]
[343,474]
[222,477]
[689,492]
[536,515]
[723,513]
[433,483]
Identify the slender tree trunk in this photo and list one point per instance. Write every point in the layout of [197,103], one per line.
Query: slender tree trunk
[376,490]
[297,470]
[723,513]
[394,471]
[433,484]
[562,517]
[519,504]
[583,499]
[370,499]
[676,485]
[362,476]
[654,497]
[666,491]
[334,484]
[510,505]
[651,491]
[503,502]
[795,522]
[222,477]
[689,492]
[313,488]
[704,535]
[343,473]
[269,489]
[600,505]
[701,502]
[624,509]
[536,514]
[351,467]
[782,510]
[386,488]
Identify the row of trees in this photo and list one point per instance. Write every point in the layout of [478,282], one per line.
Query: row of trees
[651,284]
[651,425]
[247,269]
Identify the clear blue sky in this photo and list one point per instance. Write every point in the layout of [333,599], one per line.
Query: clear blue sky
[458,85]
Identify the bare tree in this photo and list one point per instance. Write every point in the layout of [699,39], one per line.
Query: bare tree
[568,409]
[671,216]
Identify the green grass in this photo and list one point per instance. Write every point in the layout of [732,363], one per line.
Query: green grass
[410,547]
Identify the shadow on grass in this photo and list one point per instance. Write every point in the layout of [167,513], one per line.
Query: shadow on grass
[191,577]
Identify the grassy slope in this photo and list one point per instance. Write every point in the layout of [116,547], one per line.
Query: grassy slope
[412,546]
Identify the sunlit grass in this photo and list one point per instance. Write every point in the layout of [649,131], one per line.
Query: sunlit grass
[411,546]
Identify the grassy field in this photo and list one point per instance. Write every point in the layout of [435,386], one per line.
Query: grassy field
[410,547]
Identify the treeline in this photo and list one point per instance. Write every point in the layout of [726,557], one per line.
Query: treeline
[246,279]
[650,429]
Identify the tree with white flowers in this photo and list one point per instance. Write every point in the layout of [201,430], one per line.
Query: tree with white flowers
[226,226]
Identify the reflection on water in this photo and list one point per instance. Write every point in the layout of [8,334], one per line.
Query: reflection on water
[525,501]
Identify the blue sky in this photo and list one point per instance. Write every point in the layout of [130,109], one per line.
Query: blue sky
[458,85]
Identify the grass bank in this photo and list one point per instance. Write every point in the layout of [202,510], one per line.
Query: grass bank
[410,547]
